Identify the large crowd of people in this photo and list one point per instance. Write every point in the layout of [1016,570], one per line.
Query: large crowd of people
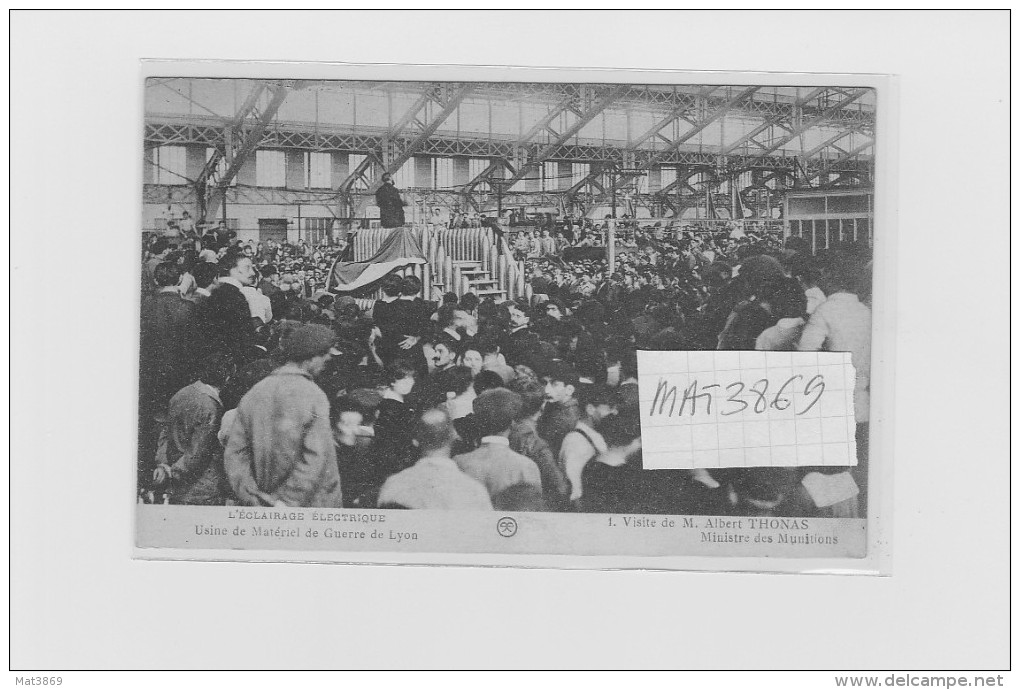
[260,388]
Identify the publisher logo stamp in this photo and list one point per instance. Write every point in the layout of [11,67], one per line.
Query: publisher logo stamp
[506,526]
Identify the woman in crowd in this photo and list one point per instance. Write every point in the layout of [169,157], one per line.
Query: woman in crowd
[396,415]
[471,358]
[353,417]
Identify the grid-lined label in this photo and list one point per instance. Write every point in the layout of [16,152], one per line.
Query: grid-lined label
[746,409]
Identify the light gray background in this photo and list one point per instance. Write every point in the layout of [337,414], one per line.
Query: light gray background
[79,601]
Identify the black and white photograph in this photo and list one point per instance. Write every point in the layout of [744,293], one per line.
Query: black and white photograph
[536,317]
[408,339]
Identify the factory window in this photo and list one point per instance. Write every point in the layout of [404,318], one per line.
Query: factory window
[221,169]
[442,173]
[550,180]
[804,206]
[667,176]
[170,164]
[404,177]
[355,160]
[847,204]
[476,166]
[270,169]
[316,230]
[579,171]
[318,169]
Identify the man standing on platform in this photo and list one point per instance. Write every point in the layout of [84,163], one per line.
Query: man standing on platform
[391,206]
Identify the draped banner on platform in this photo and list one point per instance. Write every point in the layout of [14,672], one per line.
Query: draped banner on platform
[399,249]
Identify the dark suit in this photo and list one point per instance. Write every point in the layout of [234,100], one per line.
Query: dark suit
[166,364]
[197,298]
[281,301]
[558,420]
[167,337]
[224,323]
[542,285]
[524,439]
[267,288]
[519,345]
[425,311]
[398,320]
[393,448]
[385,316]
[391,206]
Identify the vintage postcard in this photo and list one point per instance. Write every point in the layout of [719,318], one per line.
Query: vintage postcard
[501,317]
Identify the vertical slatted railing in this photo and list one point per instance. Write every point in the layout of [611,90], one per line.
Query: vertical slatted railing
[443,249]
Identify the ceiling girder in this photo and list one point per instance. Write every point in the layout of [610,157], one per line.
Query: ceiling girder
[690,134]
[251,139]
[412,113]
[357,173]
[218,154]
[680,181]
[829,142]
[485,175]
[671,116]
[545,121]
[250,129]
[578,125]
[816,120]
[715,115]
[590,177]
[828,167]
[770,122]
[415,144]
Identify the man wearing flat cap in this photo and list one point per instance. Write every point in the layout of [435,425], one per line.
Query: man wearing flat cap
[493,463]
[280,450]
